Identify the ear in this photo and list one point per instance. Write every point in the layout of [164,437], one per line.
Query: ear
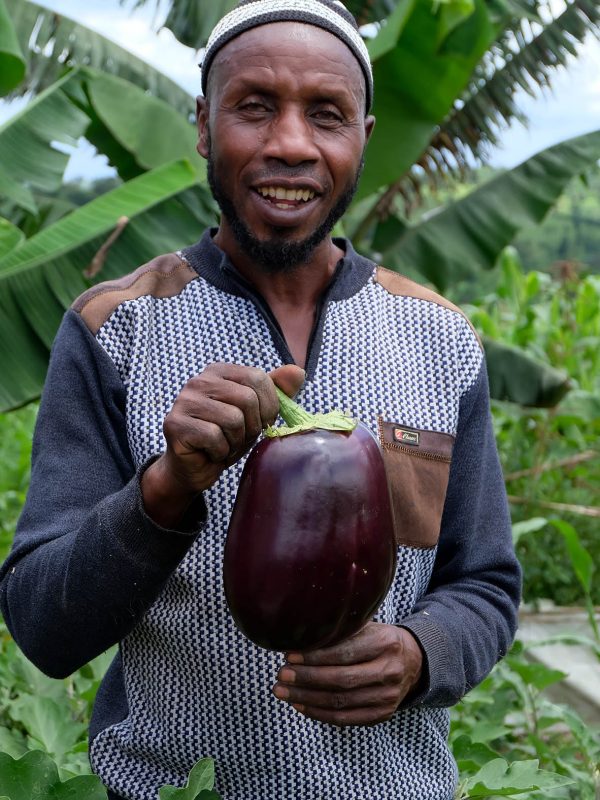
[369,125]
[202,125]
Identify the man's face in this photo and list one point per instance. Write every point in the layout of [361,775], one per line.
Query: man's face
[283,129]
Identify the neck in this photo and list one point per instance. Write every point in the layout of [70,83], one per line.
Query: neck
[300,286]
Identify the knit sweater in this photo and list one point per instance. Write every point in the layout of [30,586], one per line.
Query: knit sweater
[89,568]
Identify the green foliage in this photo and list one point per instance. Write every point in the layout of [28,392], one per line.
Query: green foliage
[34,777]
[12,63]
[569,235]
[52,43]
[557,321]
[43,733]
[508,720]
[199,786]
[461,237]
[15,453]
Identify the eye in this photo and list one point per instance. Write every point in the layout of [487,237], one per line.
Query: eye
[253,107]
[328,116]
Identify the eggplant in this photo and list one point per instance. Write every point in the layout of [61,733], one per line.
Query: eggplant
[310,551]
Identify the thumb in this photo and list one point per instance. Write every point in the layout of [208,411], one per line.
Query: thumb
[288,378]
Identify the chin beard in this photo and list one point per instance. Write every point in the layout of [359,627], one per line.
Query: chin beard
[277,255]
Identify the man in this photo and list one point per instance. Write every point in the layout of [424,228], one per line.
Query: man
[161,382]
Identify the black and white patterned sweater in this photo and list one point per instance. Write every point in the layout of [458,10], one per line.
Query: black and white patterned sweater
[89,568]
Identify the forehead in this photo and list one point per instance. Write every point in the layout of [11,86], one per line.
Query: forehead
[271,51]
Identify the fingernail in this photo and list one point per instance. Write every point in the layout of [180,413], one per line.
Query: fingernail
[298,707]
[281,692]
[287,675]
[295,658]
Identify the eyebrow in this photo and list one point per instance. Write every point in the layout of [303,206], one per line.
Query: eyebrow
[319,93]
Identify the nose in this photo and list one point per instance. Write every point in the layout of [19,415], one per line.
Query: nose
[291,138]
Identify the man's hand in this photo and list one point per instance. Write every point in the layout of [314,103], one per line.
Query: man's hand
[214,421]
[360,681]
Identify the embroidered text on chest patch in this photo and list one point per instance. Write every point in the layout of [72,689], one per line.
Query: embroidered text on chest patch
[406,437]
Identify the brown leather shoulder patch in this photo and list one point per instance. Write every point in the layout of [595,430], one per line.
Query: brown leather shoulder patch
[399,285]
[164,276]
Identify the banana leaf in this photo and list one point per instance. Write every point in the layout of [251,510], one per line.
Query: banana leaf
[518,377]
[416,84]
[468,235]
[28,152]
[144,127]
[10,236]
[12,63]
[40,277]
[52,42]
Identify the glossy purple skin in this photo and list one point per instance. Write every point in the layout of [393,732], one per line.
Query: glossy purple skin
[310,550]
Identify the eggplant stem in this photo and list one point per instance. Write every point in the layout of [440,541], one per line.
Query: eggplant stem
[298,420]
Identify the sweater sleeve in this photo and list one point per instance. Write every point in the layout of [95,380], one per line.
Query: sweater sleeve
[86,562]
[467,619]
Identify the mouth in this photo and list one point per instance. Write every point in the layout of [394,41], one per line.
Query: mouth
[285,198]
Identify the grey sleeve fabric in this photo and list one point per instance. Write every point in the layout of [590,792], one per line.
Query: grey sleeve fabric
[467,619]
[87,562]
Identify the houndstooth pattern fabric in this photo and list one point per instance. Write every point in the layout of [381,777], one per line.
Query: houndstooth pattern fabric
[195,686]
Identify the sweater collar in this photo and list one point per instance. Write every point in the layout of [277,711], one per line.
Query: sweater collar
[211,263]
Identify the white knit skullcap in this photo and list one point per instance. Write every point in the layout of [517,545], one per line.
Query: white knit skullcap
[331,15]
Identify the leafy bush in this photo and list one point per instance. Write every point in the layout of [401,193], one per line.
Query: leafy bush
[550,456]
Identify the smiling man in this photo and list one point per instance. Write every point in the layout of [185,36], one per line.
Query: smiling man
[161,382]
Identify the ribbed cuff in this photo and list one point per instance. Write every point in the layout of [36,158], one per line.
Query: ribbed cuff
[440,683]
[140,538]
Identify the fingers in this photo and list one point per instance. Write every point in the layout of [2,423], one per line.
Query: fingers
[288,378]
[330,678]
[221,412]
[365,645]
[361,681]
[336,705]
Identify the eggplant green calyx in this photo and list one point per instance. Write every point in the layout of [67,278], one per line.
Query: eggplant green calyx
[297,420]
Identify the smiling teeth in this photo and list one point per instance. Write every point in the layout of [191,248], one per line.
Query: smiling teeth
[279,193]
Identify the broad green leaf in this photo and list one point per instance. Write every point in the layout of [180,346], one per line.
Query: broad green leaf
[48,723]
[27,152]
[387,37]
[581,405]
[192,21]
[46,36]
[12,63]
[518,377]
[537,675]
[98,217]
[12,742]
[581,560]
[527,526]
[499,778]
[10,236]
[452,13]
[517,63]
[15,192]
[471,755]
[35,777]
[201,779]
[144,126]
[40,279]
[468,235]
[487,731]
[416,84]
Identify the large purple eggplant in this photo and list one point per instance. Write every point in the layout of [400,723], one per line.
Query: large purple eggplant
[310,550]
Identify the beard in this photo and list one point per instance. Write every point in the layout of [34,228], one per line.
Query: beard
[277,254]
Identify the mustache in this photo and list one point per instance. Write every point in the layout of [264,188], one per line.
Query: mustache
[287,171]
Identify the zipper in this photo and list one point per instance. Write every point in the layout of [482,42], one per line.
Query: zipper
[427,454]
